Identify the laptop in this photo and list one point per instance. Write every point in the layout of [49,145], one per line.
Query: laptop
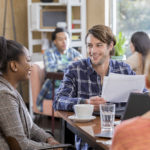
[138,104]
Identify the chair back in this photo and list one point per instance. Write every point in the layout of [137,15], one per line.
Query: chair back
[13,144]
[37,80]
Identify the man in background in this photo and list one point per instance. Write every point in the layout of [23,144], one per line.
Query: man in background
[56,59]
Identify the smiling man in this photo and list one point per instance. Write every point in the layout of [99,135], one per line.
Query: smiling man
[83,79]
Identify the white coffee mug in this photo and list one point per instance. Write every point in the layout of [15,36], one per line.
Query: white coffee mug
[83,110]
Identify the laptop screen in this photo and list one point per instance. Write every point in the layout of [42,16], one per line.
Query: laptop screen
[138,104]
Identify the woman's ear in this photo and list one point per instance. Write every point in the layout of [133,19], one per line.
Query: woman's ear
[147,82]
[13,66]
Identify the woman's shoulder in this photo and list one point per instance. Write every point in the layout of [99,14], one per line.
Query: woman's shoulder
[6,91]
[133,57]
[133,60]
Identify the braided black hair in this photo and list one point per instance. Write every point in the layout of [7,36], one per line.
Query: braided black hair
[9,50]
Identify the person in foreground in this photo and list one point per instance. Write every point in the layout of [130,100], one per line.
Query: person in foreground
[15,120]
[83,79]
[56,59]
[140,47]
[134,134]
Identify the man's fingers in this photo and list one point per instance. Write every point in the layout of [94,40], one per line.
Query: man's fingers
[97,102]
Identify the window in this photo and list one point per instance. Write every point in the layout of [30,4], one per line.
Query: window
[130,16]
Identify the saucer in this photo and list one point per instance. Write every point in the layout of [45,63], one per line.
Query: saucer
[76,119]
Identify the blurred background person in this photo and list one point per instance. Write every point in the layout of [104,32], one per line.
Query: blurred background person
[56,59]
[140,46]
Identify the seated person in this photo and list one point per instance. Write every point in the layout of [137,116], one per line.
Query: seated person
[15,120]
[56,59]
[140,46]
[83,79]
[134,134]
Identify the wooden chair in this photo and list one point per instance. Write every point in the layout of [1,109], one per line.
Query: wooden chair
[36,82]
[13,144]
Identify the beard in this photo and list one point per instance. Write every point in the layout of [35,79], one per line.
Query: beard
[100,62]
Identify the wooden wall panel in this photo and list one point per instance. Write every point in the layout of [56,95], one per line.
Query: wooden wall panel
[20,13]
[20,7]
[95,12]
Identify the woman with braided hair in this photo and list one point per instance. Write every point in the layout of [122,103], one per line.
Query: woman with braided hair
[15,120]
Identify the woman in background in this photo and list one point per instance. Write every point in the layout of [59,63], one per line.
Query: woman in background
[140,46]
[15,120]
[134,133]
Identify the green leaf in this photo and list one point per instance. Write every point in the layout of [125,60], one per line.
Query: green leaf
[119,47]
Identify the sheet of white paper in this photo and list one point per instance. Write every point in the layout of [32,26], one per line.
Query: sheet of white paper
[117,87]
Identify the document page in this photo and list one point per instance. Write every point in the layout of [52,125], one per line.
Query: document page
[117,87]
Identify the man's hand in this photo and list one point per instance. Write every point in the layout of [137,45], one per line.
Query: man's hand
[96,101]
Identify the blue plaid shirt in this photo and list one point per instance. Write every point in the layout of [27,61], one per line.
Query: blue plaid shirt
[54,61]
[82,82]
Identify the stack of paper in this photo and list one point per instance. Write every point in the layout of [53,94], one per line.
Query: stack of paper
[117,87]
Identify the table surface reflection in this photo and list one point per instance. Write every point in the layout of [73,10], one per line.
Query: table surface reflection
[87,129]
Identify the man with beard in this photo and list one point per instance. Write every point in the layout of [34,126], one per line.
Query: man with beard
[83,79]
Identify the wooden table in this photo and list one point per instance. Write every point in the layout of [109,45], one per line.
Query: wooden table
[86,131]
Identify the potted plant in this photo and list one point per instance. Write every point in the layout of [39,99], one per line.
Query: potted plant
[119,53]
